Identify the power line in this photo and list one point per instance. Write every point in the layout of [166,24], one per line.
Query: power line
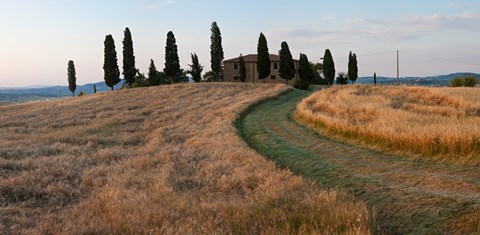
[438,58]
[379,53]
[367,55]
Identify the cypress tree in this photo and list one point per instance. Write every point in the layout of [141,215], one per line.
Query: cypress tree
[352,67]
[153,77]
[172,62]
[216,52]
[152,70]
[94,89]
[72,79]
[129,70]
[110,66]
[328,67]
[195,68]
[263,58]
[287,67]
[242,69]
[305,70]
[374,78]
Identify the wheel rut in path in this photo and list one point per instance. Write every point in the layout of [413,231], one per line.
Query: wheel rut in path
[408,195]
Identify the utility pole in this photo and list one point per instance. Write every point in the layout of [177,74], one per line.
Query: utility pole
[398,68]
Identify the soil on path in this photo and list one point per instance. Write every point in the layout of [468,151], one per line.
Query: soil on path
[408,195]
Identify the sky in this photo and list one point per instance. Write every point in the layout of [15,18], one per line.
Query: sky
[434,37]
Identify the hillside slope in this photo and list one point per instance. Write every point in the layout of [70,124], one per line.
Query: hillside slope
[428,121]
[160,160]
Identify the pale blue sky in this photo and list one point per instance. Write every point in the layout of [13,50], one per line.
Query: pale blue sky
[38,37]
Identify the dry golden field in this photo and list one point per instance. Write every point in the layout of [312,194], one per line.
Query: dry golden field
[160,160]
[438,121]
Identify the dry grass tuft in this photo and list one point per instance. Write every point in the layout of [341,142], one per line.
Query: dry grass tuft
[160,160]
[442,121]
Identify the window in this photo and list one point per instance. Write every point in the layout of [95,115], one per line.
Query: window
[235,66]
[272,77]
[235,78]
[275,65]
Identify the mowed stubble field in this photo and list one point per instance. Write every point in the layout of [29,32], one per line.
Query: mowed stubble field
[440,122]
[155,160]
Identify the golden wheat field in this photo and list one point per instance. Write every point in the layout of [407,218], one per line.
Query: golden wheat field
[160,160]
[442,121]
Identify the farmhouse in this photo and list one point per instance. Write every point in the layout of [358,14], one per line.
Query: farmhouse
[232,68]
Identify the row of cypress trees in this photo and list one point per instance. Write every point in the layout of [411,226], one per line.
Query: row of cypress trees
[287,66]
[110,65]
[130,72]
[172,73]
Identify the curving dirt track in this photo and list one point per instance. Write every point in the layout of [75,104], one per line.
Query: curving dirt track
[410,196]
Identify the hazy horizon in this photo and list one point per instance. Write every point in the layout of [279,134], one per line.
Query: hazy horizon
[434,37]
[33,86]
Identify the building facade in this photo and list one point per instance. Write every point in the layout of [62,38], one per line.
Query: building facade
[231,71]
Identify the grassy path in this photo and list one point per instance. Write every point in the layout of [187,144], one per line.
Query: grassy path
[409,196]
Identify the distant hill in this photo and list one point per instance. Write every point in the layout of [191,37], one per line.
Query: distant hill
[23,94]
[441,80]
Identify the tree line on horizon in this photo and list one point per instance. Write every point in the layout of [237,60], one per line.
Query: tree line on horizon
[173,73]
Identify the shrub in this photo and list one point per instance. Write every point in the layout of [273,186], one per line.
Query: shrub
[457,82]
[469,81]
[342,78]
[301,84]
[139,81]
[81,94]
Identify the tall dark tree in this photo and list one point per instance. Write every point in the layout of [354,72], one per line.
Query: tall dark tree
[153,74]
[110,65]
[328,67]
[305,70]
[287,66]
[195,68]
[129,70]
[374,78]
[263,59]
[242,69]
[152,70]
[172,62]
[352,67]
[216,53]
[72,77]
